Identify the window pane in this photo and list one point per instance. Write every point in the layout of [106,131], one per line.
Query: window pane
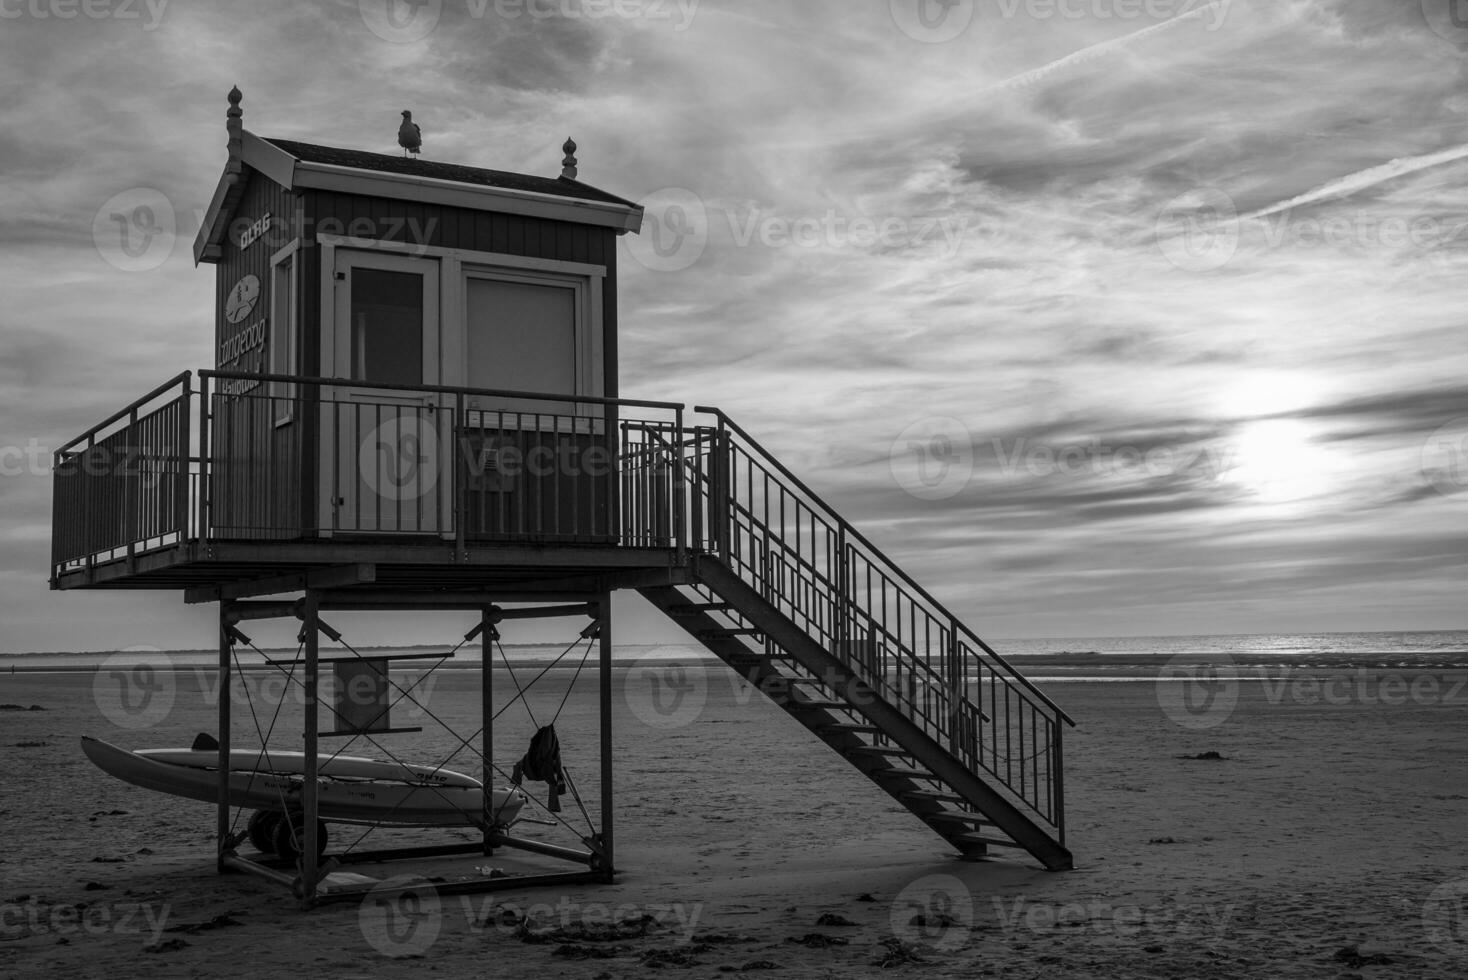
[387,326]
[522,337]
[282,321]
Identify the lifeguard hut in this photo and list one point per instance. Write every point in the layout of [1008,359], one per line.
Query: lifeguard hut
[414,406]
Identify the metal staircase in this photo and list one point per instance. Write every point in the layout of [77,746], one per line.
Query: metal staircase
[788,594]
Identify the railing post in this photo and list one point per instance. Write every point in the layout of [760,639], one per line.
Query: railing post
[957,689]
[696,488]
[841,629]
[1057,779]
[722,516]
[181,502]
[459,446]
[679,489]
[206,437]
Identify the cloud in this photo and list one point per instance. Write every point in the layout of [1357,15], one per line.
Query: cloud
[1049,315]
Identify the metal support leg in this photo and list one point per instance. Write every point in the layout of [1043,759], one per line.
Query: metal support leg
[604,621]
[486,717]
[225,677]
[311,623]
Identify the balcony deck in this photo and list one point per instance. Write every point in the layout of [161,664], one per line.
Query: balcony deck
[223,484]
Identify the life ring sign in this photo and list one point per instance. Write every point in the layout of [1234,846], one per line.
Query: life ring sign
[399,460]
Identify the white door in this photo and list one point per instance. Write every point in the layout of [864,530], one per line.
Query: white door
[391,457]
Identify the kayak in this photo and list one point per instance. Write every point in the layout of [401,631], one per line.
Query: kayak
[348,787]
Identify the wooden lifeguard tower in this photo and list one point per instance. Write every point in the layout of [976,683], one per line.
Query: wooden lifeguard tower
[415,407]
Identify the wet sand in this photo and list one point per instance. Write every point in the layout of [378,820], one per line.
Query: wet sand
[1328,841]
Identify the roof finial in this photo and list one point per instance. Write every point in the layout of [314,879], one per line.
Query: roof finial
[233,123]
[568,165]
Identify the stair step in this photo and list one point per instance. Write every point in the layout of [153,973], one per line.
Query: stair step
[694,608]
[732,631]
[984,839]
[933,796]
[952,816]
[883,750]
[854,728]
[900,772]
[824,705]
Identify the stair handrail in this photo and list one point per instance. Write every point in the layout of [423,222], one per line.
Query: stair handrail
[852,533]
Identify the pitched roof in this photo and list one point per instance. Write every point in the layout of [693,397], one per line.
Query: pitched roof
[414,167]
[298,166]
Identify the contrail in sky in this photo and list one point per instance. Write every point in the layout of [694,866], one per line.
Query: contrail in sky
[1106,47]
[1361,180]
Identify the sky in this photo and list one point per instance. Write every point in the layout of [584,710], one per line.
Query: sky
[1102,317]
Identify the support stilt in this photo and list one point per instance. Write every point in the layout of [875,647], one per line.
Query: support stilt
[604,624]
[225,679]
[486,716]
[309,785]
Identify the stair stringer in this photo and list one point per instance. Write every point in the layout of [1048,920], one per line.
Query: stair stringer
[760,671]
[862,699]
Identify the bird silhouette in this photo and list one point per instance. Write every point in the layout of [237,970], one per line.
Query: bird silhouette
[410,137]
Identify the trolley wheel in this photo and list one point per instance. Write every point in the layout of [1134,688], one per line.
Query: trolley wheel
[261,829]
[288,831]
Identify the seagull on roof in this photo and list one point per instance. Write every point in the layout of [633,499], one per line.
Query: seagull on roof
[410,137]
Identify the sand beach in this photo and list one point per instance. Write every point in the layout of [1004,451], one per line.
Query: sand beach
[1325,840]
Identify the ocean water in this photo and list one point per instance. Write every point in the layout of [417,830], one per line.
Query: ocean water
[1407,648]
[1409,645]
